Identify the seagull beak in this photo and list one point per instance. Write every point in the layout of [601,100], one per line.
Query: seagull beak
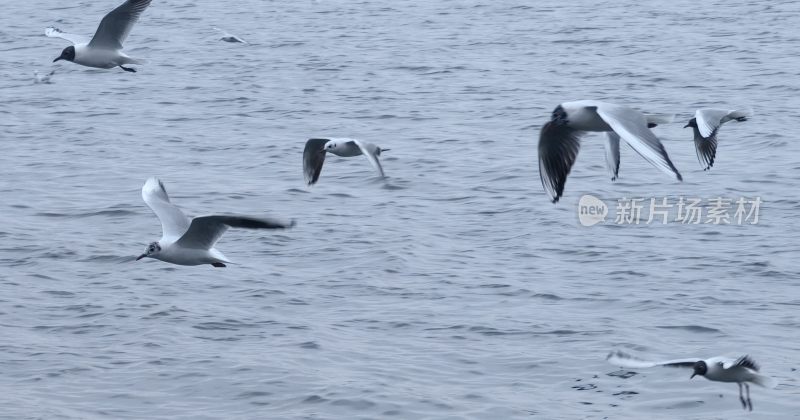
[693,375]
[58,58]
[687,125]
[140,257]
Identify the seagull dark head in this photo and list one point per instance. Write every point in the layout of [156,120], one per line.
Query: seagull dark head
[332,146]
[152,249]
[559,116]
[68,54]
[700,368]
[691,123]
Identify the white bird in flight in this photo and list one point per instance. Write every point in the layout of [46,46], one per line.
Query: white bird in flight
[42,79]
[742,370]
[559,140]
[315,150]
[186,242]
[706,124]
[104,50]
[229,37]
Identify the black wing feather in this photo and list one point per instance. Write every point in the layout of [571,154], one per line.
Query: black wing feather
[558,148]
[313,158]
[706,148]
[746,361]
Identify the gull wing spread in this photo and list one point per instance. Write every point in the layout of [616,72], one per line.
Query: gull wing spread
[173,222]
[623,359]
[709,120]
[58,33]
[205,231]
[631,126]
[313,158]
[372,152]
[117,24]
[558,149]
[612,154]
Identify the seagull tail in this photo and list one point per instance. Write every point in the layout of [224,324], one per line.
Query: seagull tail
[220,257]
[764,381]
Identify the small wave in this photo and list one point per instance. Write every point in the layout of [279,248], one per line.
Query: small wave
[691,328]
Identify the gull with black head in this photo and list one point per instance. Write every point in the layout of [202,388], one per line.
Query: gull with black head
[705,125]
[742,370]
[191,242]
[315,150]
[559,140]
[104,49]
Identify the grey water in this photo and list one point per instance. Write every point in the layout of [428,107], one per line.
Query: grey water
[451,289]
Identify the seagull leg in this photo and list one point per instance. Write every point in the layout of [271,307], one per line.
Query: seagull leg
[130,69]
[749,402]
[741,397]
[219,265]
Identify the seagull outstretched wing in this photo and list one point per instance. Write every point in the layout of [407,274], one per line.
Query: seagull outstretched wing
[117,24]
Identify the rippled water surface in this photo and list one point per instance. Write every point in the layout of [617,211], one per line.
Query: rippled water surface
[454,289]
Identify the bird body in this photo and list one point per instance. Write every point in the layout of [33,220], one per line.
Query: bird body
[188,256]
[583,116]
[101,58]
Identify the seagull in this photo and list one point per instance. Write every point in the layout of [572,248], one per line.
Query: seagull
[705,124]
[186,242]
[741,370]
[314,154]
[559,140]
[104,50]
[229,37]
[45,79]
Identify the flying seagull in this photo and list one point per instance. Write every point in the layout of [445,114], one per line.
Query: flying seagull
[43,79]
[559,140]
[705,124]
[314,154]
[742,370]
[229,37]
[104,49]
[186,242]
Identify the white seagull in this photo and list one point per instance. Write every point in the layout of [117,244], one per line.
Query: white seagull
[315,150]
[705,124]
[742,370]
[229,37]
[43,79]
[559,140]
[104,50]
[186,242]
